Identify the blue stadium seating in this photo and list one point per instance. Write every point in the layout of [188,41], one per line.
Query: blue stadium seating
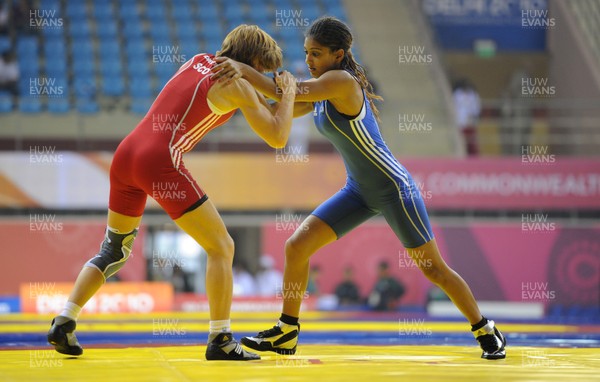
[79,28]
[76,9]
[127,34]
[30,105]
[50,4]
[27,45]
[6,102]
[207,12]
[103,11]
[86,105]
[113,86]
[181,12]
[56,67]
[159,29]
[156,12]
[133,30]
[138,70]
[28,67]
[5,44]
[212,30]
[58,105]
[109,49]
[140,106]
[55,49]
[83,66]
[84,87]
[53,33]
[185,30]
[107,29]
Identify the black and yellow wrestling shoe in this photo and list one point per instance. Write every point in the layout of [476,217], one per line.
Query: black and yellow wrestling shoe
[225,348]
[62,337]
[281,338]
[491,340]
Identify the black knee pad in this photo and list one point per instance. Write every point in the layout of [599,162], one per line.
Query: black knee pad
[114,252]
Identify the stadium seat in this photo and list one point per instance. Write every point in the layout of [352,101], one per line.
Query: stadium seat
[212,30]
[128,10]
[103,11]
[181,13]
[107,29]
[110,67]
[56,67]
[27,45]
[140,106]
[50,4]
[79,28]
[82,48]
[109,50]
[159,30]
[55,48]
[113,86]
[76,9]
[311,12]
[86,106]
[140,88]
[29,67]
[84,87]
[5,44]
[212,46]
[58,105]
[207,12]
[155,12]
[83,67]
[30,105]
[6,102]
[185,30]
[283,4]
[155,3]
[133,30]
[53,33]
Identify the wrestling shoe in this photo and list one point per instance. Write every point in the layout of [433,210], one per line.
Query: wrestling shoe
[63,338]
[281,338]
[225,348]
[491,341]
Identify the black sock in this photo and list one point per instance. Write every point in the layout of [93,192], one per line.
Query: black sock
[288,319]
[480,324]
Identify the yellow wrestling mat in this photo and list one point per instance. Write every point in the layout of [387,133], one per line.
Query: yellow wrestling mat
[311,363]
[333,346]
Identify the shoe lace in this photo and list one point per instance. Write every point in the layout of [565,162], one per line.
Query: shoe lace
[488,343]
[275,330]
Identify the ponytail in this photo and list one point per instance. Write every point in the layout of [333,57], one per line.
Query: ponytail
[348,63]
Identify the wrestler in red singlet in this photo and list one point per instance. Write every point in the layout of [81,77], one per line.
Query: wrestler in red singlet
[149,159]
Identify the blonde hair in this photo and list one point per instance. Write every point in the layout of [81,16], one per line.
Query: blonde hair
[251,45]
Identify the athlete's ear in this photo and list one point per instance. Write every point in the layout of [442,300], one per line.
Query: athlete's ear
[339,55]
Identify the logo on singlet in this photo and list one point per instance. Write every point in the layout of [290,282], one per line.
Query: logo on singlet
[201,68]
[319,109]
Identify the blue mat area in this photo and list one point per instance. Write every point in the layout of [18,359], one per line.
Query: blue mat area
[577,340]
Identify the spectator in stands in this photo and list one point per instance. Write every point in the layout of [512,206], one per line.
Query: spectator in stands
[347,291]
[387,290]
[467,108]
[269,280]
[243,282]
[4,13]
[20,16]
[9,73]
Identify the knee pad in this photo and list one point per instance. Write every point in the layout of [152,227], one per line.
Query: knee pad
[114,252]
